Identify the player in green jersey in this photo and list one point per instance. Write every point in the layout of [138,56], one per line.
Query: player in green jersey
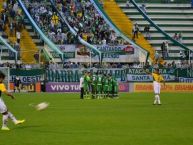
[110,88]
[115,88]
[86,84]
[105,86]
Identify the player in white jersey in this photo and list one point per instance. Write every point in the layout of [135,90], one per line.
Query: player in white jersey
[3,108]
[157,79]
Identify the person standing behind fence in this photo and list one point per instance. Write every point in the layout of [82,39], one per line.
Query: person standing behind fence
[17,84]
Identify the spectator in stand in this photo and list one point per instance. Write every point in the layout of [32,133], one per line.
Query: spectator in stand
[4,17]
[143,8]
[147,32]
[101,3]
[128,3]
[113,37]
[17,48]
[176,36]
[163,50]
[135,31]
[17,84]
[18,37]
[180,37]
[5,4]
[157,56]
[104,42]
[11,28]
[173,64]
[167,49]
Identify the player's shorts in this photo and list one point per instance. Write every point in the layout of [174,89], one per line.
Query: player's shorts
[99,88]
[93,88]
[105,89]
[110,88]
[115,89]
[3,107]
[156,87]
[86,88]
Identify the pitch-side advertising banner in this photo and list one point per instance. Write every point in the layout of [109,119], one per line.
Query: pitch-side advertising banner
[27,76]
[185,80]
[74,87]
[139,75]
[28,87]
[170,87]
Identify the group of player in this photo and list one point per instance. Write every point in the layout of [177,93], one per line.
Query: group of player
[98,85]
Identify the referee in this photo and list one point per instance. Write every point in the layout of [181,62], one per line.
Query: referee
[81,87]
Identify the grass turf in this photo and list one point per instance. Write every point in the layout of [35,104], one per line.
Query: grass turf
[130,120]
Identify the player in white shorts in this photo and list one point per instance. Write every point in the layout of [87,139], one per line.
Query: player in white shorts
[157,79]
[3,108]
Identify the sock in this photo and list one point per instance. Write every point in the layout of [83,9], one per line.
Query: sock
[155,100]
[5,119]
[158,99]
[10,115]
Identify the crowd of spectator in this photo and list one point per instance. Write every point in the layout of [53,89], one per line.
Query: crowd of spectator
[105,65]
[12,23]
[49,21]
[19,65]
[87,22]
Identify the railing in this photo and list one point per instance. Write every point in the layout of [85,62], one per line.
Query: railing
[42,35]
[158,28]
[9,47]
[115,28]
[91,47]
[160,1]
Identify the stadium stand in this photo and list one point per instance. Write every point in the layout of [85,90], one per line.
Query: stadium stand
[90,26]
[88,23]
[175,19]
[6,55]
[126,25]
[16,33]
[46,18]
[50,23]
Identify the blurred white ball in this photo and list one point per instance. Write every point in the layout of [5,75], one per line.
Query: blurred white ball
[42,106]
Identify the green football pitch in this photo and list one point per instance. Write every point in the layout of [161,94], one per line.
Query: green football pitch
[129,120]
